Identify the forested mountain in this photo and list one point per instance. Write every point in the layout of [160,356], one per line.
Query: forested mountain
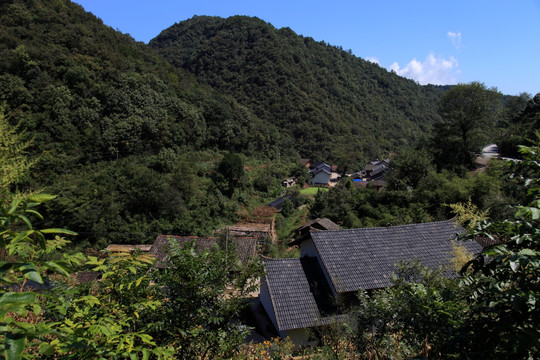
[111,124]
[87,93]
[329,103]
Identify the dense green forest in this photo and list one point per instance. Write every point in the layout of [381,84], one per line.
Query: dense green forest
[132,144]
[107,116]
[110,119]
[199,129]
[336,106]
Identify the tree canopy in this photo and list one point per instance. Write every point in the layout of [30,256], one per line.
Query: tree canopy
[469,112]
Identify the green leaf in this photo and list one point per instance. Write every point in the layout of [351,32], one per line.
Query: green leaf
[58,231]
[21,235]
[146,354]
[14,205]
[30,272]
[528,252]
[58,267]
[17,298]
[14,346]
[26,220]
[46,349]
[39,198]
[42,240]
[147,339]
[533,212]
[36,309]
[35,213]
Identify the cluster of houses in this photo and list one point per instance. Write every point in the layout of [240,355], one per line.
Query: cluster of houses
[322,174]
[299,294]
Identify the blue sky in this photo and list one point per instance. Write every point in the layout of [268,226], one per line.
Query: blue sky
[431,41]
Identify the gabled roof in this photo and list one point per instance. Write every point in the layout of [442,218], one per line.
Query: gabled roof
[246,247]
[320,223]
[365,258]
[321,169]
[316,164]
[298,292]
[303,232]
[278,203]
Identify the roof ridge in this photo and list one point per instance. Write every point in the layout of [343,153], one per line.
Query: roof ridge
[394,226]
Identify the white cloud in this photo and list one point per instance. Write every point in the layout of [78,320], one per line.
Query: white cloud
[433,70]
[373,60]
[455,38]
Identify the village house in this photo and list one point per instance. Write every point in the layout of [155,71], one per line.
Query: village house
[319,224]
[246,247]
[375,170]
[320,173]
[299,294]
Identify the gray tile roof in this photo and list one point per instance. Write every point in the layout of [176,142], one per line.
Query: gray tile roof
[297,301]
[322,223]
[246,247]
[303,232]
[365,258]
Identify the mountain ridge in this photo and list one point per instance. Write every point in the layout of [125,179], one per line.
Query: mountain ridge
[292,81]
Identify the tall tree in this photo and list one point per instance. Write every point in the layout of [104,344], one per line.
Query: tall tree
[505,322]
[231,167]
[467,110]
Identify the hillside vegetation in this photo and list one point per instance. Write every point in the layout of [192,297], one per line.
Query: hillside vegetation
[130,142]
[107,116]
[330,104]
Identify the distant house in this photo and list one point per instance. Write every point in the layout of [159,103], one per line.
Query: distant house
[319,224]
[375,184]
[359,175]
[320,173]
[278,203]
[261,230]
[298,294]
[317,164]
[375,170]
[246,247]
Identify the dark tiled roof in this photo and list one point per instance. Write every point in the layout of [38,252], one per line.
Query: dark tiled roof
[278,203]
[320,223]
[365,258]
[317,164]
[246,247]
[297,301]
[302,233]
[320,170]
